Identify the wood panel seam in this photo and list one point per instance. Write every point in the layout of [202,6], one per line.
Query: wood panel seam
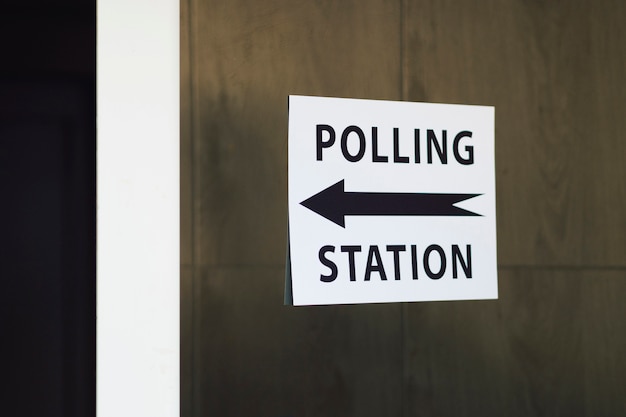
[192,138]
[564,267]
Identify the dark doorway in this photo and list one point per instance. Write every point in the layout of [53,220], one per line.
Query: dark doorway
[48,189]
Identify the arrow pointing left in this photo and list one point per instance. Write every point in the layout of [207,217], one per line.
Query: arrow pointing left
[334,203]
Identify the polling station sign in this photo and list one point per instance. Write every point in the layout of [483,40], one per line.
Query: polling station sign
[390,202]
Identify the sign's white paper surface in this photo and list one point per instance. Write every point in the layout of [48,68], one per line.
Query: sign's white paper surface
[401,164]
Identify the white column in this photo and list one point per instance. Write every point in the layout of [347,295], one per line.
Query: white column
[138,208]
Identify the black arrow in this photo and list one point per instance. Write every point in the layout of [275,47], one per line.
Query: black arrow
[334,204]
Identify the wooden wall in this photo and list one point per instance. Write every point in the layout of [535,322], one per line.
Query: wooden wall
[555,341]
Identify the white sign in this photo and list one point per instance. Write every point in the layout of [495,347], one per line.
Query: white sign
[390,201]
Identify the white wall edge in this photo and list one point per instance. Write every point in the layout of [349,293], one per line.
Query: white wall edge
[137,370]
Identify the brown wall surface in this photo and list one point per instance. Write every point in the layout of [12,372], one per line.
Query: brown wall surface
[554,342]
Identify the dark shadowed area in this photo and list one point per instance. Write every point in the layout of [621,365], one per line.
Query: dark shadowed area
[47,190]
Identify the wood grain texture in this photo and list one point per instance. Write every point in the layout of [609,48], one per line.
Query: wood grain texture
[247,58]
[604,342]
[186,148]
[186,340]
[531,61]
[551,345]
[257,357]
[251,355]
[605,179]
[186,219]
